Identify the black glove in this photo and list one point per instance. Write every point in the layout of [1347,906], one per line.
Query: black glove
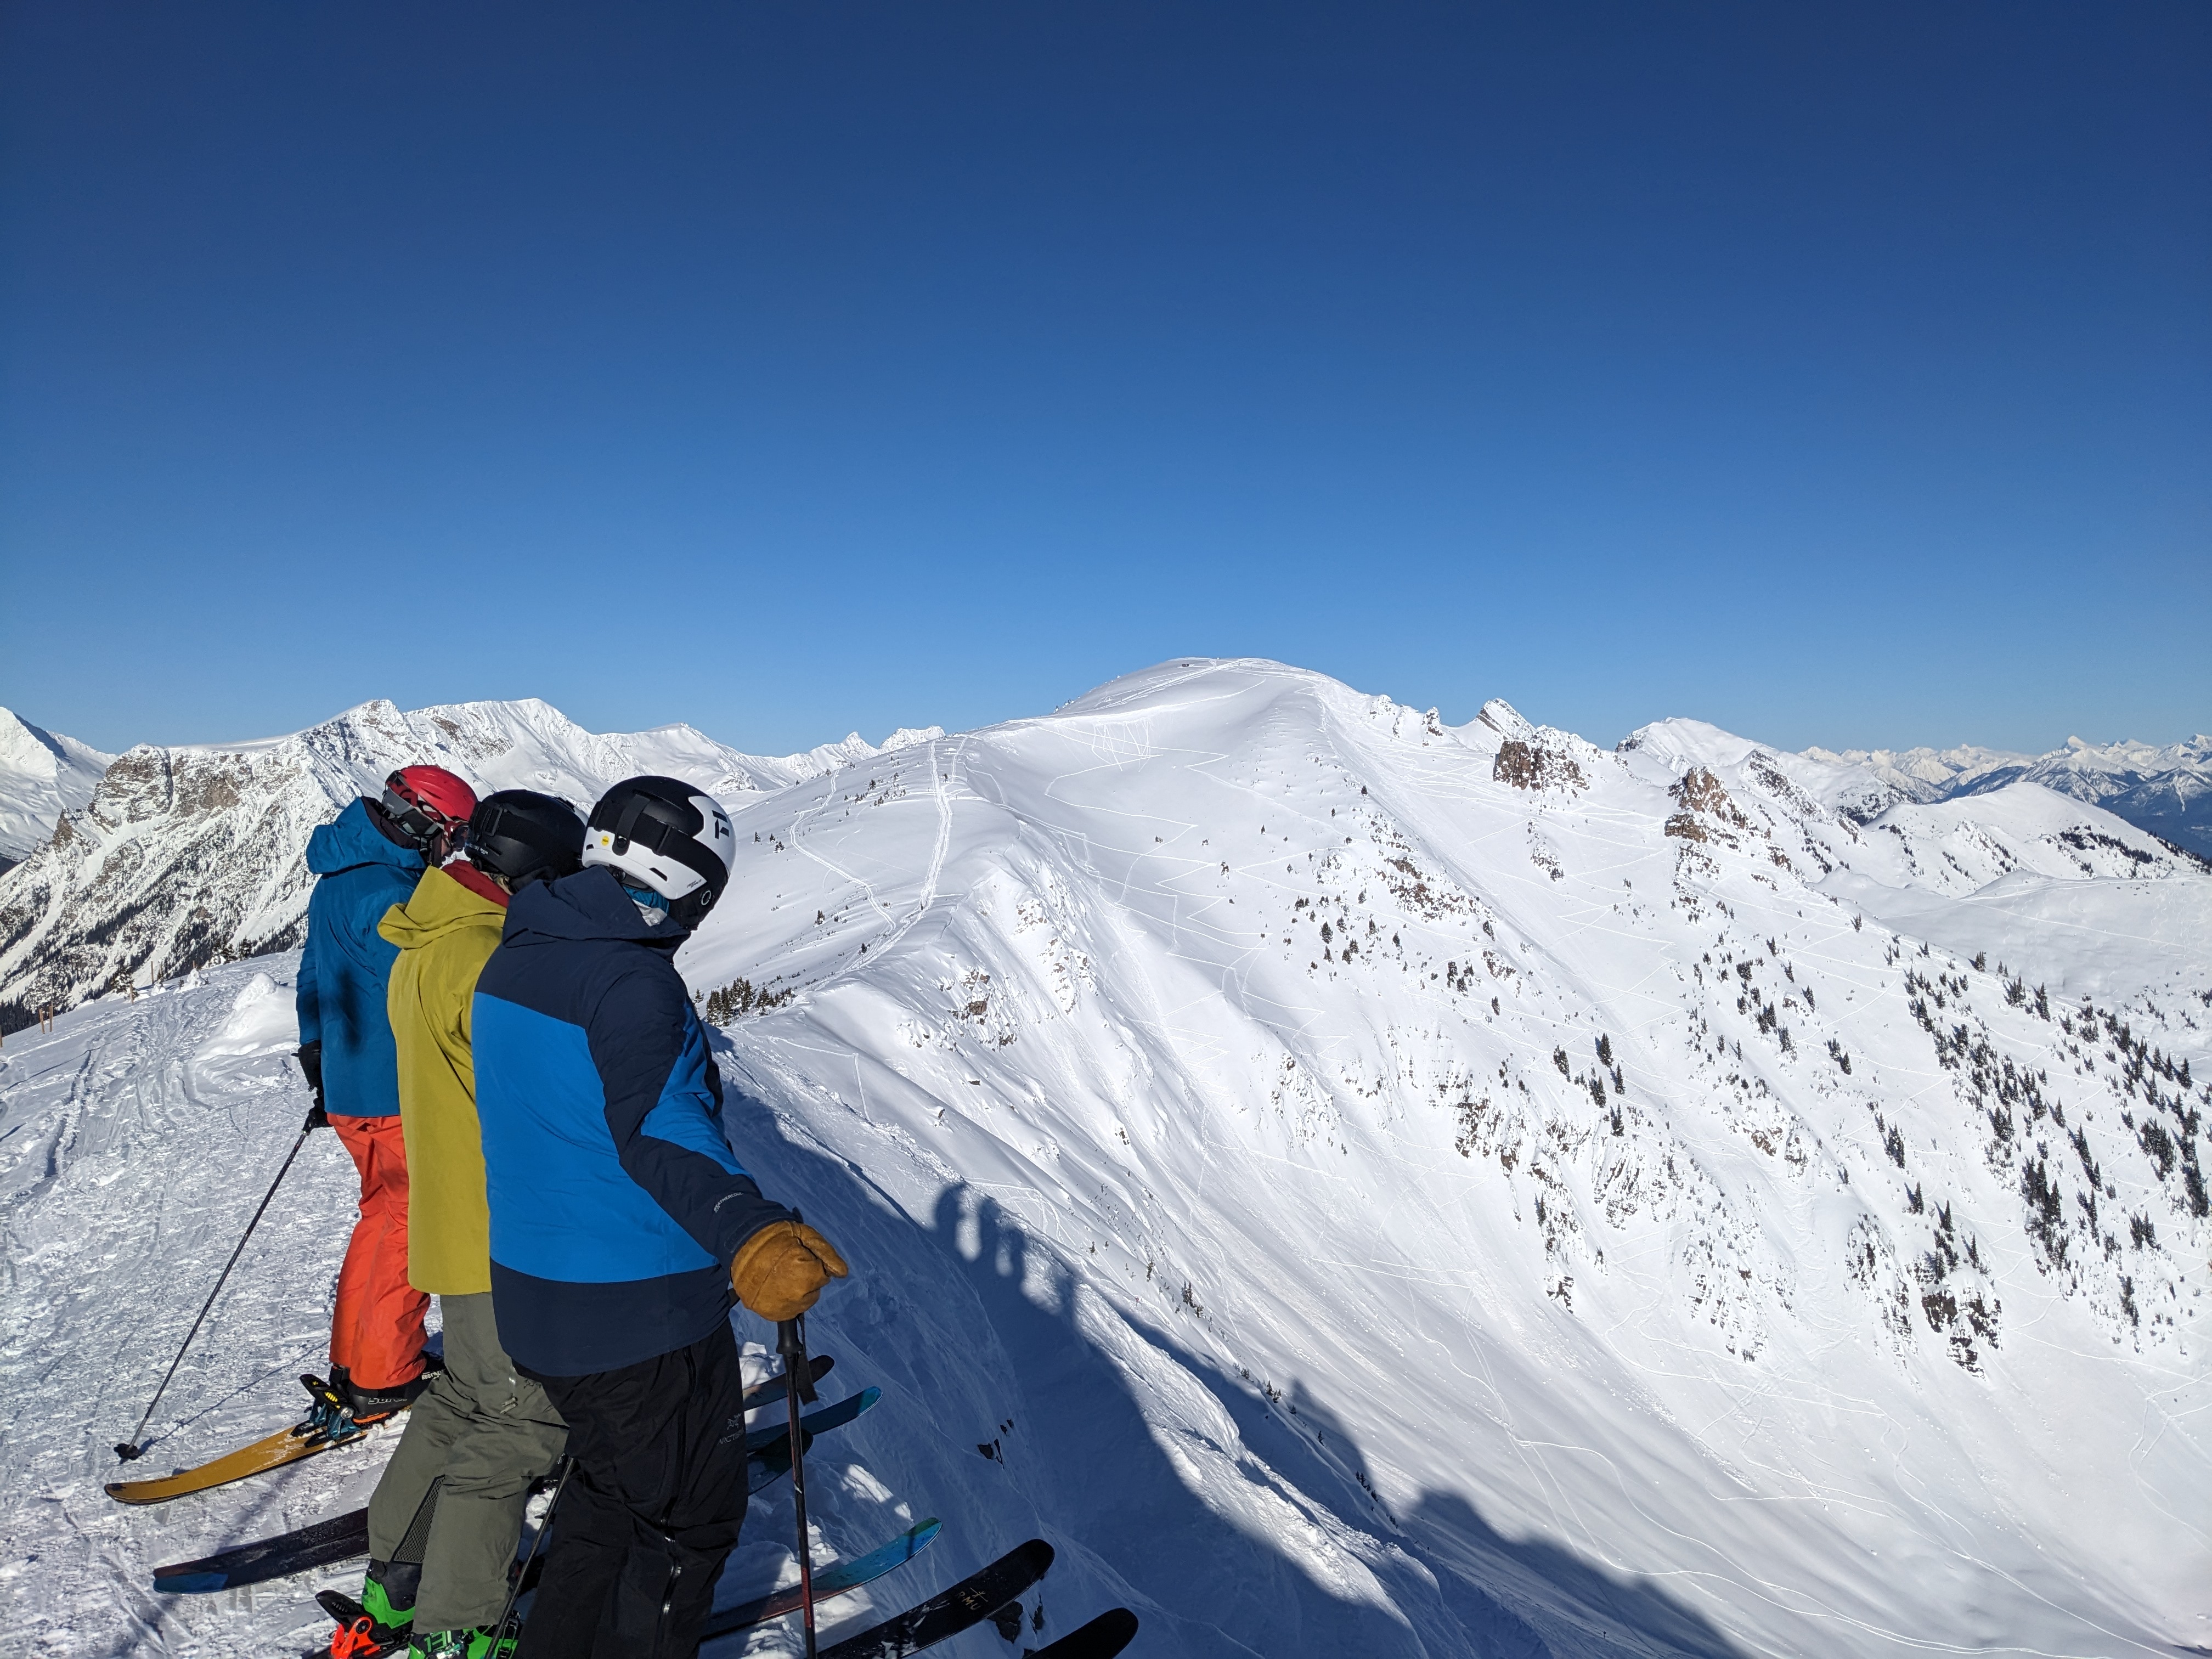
[311,1067]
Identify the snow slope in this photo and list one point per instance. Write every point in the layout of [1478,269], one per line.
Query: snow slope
[43,775]
[189,855]
[1356,1185]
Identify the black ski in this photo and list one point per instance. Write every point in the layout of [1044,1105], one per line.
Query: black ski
[316,1546]
[967,1603]
[1101,1638]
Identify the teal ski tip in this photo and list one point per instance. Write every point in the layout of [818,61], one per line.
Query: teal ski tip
[193,1583]
[814,1422]
[850,1575]
[831,1582]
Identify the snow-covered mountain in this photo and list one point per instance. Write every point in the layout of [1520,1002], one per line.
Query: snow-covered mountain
[2166,791]
[43,775]
[1357,1185]
[188,856]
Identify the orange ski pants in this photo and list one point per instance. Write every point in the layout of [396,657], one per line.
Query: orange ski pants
[376,1333]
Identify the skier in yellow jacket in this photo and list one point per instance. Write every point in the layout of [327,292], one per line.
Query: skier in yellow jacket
[447,1514]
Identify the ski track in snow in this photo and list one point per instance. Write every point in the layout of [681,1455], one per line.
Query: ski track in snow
[1165,1249]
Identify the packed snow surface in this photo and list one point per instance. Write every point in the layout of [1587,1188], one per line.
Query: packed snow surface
[1355,1185]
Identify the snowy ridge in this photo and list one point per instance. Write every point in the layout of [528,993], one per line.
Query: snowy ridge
[192,854]
[43,775]
[1357,1185]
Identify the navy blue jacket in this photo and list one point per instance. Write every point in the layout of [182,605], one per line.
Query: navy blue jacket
[345,970]
[616,1204]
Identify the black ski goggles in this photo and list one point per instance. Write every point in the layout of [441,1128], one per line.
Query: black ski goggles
[422,823]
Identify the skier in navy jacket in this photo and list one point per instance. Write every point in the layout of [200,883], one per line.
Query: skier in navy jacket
[622,1223]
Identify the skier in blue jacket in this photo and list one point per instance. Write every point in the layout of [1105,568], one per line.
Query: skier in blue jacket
[366,861]
[623,1224]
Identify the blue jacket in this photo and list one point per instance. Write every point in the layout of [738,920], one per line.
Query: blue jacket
[616,1204]
[346,969]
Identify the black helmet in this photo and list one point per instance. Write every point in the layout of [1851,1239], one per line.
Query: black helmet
[667,835]
[521,837]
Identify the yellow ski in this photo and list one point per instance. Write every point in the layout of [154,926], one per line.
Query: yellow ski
[330,1424]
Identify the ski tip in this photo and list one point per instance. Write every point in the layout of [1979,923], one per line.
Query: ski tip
[1116,1622]
[868,1398]
[1102,1638]
[191,1584]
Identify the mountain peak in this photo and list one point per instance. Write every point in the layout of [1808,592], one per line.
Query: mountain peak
[1502,717]
[43,775]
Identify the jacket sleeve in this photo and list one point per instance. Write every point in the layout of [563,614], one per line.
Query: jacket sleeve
[665,1111]
[305,1002]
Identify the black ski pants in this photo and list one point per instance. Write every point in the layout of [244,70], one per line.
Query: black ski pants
[652,1508]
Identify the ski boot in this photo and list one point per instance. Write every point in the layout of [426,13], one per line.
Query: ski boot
[331,1417]
[364,1407]
[477,1644]
[375,1404]
[382,1621]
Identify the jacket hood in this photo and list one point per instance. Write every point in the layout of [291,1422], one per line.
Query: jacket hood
[438,906]
[590,904]
[353,840]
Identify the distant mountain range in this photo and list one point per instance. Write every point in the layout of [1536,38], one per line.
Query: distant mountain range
[166,857]
[2166,791]
[171,858]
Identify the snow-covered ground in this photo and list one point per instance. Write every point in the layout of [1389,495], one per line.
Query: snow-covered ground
[136,1140]
[1353,1184]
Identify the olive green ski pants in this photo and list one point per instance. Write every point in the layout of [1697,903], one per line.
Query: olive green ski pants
[456,1488]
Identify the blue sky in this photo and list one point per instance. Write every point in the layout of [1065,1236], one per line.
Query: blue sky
[1840,375]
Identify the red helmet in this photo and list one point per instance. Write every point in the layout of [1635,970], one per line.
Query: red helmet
[431,805]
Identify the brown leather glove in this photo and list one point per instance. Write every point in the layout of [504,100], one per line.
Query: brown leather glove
[781,1270]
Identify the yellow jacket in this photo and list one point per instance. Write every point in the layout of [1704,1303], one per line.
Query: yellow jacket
[445,933]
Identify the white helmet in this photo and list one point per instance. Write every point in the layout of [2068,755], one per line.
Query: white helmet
[667,836]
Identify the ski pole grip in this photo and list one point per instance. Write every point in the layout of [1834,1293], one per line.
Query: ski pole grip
[791,1343]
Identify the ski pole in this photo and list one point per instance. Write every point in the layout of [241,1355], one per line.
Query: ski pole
[522,1573]
[130,1449]
[791,1343]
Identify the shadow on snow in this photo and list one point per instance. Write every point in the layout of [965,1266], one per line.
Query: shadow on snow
[1002,1365]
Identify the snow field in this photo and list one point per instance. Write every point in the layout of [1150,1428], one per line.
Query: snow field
[1651,1356]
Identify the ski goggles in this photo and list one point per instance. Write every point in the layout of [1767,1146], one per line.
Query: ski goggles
[422,822]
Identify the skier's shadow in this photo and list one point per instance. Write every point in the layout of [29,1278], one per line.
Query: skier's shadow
[987,1356]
